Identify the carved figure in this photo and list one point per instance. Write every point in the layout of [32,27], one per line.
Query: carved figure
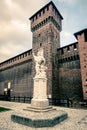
[40,64]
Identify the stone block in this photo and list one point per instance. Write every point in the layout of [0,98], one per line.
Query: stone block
[40,119]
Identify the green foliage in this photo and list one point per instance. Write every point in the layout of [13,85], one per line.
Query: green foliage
[3,109]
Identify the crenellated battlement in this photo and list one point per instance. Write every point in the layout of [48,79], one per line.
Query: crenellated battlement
[68,53]
[16,60]
[44,15]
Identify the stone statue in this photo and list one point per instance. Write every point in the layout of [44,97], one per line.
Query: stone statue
[40,64]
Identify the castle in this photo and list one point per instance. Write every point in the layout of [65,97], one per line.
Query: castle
[67,66]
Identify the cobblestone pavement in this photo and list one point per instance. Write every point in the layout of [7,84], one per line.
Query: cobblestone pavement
[77,118]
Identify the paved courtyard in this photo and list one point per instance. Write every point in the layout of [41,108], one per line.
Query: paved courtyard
[77,118]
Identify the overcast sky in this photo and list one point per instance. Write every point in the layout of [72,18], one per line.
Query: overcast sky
[15,34]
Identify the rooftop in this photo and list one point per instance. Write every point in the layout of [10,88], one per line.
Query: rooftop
[50,3]
[80,32]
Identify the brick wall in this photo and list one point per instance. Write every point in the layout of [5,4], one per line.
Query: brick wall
[69,74]
[70,85]
[20,76]
[82,43]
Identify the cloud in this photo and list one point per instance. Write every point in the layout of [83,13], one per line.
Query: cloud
[15,34]
[67,38]
[66,1]
[4,13]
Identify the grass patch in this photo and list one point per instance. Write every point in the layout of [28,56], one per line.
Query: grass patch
[4,109]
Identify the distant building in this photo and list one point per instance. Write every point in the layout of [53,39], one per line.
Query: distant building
[67,66]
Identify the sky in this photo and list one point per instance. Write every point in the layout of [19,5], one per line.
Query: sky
[15,33]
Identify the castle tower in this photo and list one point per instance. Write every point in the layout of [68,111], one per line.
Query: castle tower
[82,44]
[46,26]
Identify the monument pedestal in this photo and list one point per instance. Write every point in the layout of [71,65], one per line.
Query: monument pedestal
[40,93]
[39,114]
[39,119]
[39,103]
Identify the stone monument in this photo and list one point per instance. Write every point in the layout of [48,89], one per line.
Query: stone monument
[39,114]
[40,100]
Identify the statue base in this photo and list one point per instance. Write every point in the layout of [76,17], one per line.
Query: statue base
[39,114]
[40,93]
[38,118]
[40,103]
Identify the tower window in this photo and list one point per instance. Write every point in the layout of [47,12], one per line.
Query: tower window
[39,35]
[40,44]
[84,66]
[47,8]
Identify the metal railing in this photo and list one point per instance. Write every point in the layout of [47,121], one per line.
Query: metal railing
[21,99]
[52,101]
